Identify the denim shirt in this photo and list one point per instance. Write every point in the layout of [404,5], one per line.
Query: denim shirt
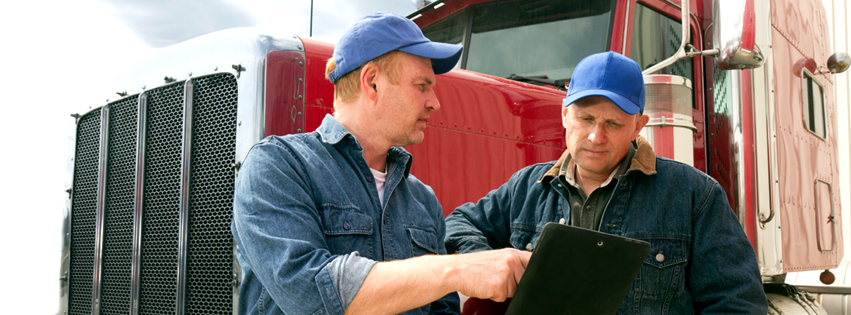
[700,261]
[308,224]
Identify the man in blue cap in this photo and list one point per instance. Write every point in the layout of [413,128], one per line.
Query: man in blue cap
[331,222]
[610,180]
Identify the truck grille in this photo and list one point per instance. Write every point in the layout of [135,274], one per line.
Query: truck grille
[158,292]
[209,287]
[209,248]
[118,230]
[83,214]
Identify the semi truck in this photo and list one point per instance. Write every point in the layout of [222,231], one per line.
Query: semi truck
[741,90]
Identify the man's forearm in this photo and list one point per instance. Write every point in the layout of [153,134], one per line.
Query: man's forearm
[397,286]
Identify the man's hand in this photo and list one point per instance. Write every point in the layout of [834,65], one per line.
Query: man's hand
[492,274]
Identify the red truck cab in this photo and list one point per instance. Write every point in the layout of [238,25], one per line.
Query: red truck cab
[148,214]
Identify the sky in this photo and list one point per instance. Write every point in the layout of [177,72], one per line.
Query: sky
[54,55]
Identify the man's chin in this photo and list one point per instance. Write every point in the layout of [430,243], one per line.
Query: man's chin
[414,139]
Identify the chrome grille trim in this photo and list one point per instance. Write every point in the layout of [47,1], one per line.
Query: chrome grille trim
[101,203]
[138,202]
[185,171]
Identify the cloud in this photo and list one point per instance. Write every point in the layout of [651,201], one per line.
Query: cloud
[332,16]
[161,23]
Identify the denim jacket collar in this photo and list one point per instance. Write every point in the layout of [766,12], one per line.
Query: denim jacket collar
[643,161]
[332,132]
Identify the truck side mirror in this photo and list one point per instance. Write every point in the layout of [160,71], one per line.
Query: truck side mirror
[734,34]
[838,62]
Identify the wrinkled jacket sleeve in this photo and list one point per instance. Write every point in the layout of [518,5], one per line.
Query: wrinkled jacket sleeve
[736,288]
[280,234]
[450,303]
[482,225]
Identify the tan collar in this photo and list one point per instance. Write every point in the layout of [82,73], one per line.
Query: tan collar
[644,161]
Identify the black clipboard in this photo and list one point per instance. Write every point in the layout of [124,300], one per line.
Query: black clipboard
[578,271]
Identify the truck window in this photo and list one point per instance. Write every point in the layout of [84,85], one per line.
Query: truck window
[449,30]
[528,38]
[656,37]
[813,97]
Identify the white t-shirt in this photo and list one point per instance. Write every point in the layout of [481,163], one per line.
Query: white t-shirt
[379,183]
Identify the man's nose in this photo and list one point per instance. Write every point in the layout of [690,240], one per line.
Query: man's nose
[598,134]
[431,101]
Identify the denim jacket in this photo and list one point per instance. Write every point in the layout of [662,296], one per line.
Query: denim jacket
[700,260]
[308,224]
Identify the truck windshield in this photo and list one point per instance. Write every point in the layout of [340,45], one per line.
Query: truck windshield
[527,38]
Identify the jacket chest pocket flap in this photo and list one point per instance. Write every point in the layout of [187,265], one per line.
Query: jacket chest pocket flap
[347,220]
[663,271]
[347,230]
[423,241]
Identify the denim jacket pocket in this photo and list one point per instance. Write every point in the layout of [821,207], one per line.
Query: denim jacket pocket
[346,229]
[663,272]
[423,242]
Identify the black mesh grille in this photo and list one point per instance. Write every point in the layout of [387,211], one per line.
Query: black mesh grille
[83,211]
[210,247]
[118,213]
[158,291]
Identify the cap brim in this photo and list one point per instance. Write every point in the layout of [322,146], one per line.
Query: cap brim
[622,102]
[445,56]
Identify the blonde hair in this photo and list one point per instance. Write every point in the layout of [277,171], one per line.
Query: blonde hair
[346,88]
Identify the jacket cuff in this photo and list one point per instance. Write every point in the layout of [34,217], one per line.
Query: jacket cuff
[465,244]
[339,281]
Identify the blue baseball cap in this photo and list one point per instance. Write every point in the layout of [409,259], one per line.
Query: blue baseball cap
[382,32]
[612,76]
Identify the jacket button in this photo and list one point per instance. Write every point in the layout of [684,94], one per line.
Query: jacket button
[529,246]
[346,226]
[561,221]
[369,179]
[660,257]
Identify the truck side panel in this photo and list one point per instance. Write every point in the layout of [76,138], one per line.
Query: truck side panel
[808,178]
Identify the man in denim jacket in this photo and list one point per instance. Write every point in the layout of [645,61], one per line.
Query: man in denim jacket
[327,222]
[609,179]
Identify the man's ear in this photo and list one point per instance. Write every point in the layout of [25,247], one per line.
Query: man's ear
[642,121]
[369,80]
[564,117]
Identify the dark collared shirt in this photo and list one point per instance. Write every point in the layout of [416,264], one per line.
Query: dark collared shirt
[586,211]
